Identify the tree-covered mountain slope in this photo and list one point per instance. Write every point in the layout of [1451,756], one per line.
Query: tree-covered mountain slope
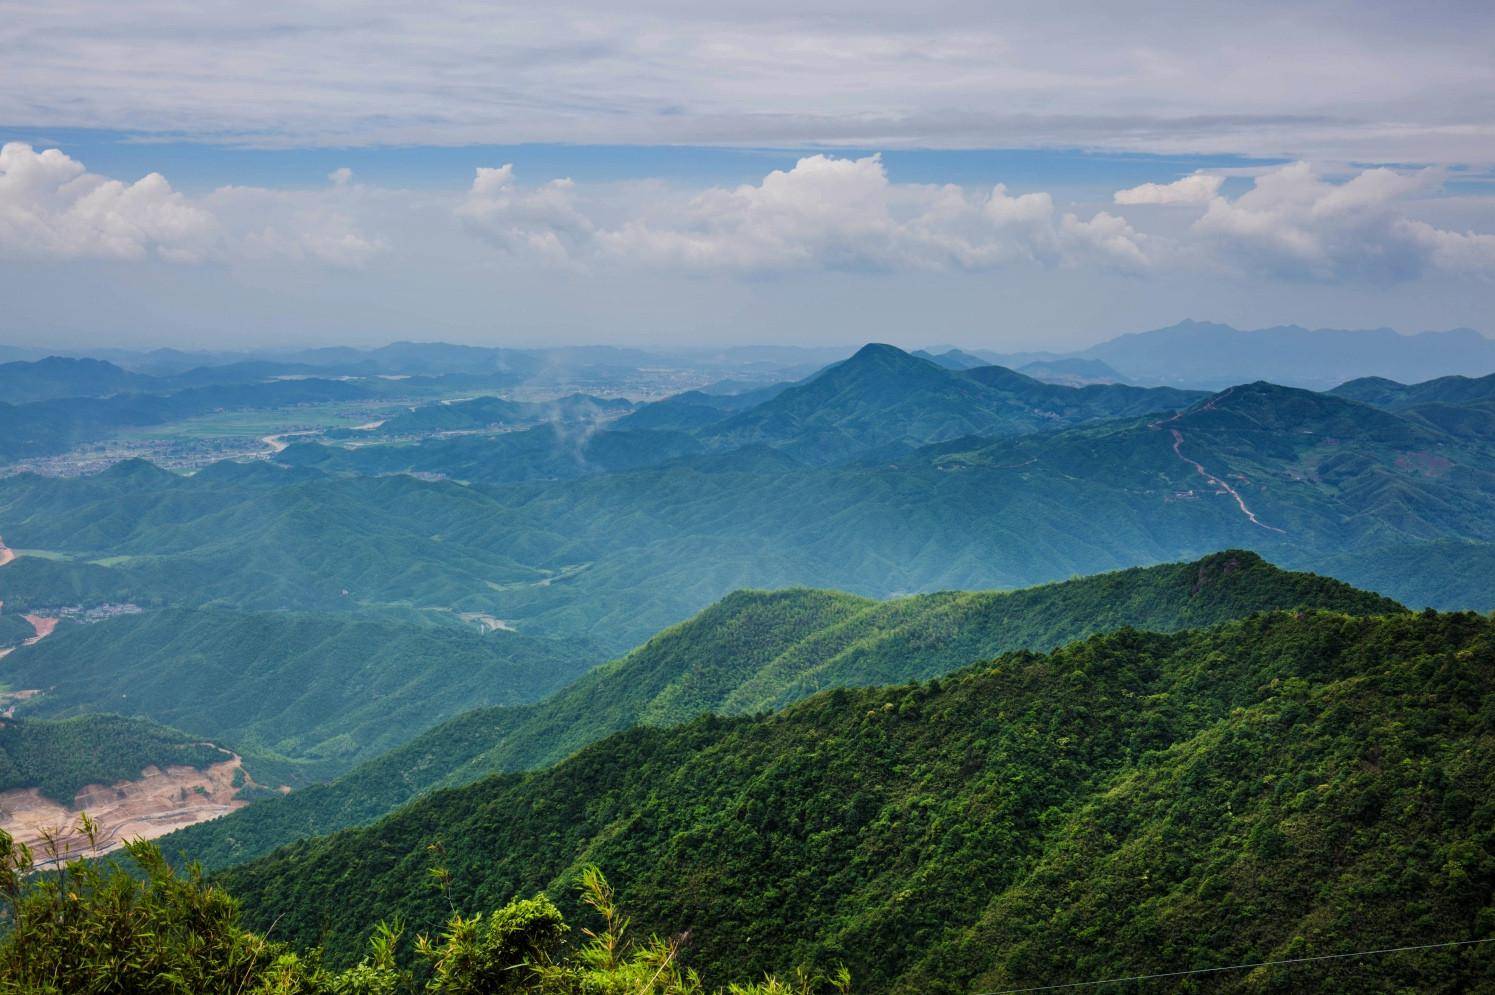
[1385,393]
[757,650]
[1295,783]
[490,413]
[552,451]
[254,536]
[616,556]
[301,696]
[1446,573]
[1296,467]
[696,409]
[60,757]
[57,424]
[884,398]
[58,376]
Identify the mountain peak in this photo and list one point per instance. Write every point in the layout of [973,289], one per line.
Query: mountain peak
[881,351]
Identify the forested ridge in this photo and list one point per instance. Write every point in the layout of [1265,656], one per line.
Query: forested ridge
[302,696]
[1292,783]
[772,662]
[60,757]
[758,650]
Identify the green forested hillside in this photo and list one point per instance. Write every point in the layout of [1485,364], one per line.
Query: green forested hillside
[616,556]
[1293,784]
[696,409]
[13,630]
[553,451]
[884,399]
[1447,573]
[55,425]
[254,537]
[483,413]
[58,758]
[301,696]
[757,650]
[97,926]
[57,376]
[1443,390]
[1294,466]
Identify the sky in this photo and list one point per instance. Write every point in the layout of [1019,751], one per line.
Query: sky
[999,175]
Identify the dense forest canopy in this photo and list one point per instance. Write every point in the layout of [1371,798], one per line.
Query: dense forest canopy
[758,650]
[1295,782]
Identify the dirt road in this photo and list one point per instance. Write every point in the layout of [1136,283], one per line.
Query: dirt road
[1220,485]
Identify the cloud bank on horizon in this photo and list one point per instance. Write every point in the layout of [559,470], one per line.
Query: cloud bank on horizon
[826,212]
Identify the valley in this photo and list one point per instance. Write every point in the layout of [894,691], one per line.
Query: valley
[729,642]
[747,499]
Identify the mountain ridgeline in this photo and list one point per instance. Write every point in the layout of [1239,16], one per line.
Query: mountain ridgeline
[1292,784]
[302,696]
[884,400]
[756,651]
[964,697]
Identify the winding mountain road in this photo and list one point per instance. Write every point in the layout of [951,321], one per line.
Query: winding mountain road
[1221,486]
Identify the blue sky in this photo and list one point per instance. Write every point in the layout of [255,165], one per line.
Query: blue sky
[197,166]
[1010,175]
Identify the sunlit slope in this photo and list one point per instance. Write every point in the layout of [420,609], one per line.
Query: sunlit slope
[756,650]
[1295,783]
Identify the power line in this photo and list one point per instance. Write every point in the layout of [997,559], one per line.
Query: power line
[1239,967]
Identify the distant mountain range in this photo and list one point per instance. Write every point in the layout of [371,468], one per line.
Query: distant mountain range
[885,400]
[410,609]
[1201,354]
[1190,354]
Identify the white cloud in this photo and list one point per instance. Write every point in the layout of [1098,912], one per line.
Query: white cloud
[1195,189]
[544,222]
[825,213]
[1295,223]
[833,213]
[51,207]
[341,176]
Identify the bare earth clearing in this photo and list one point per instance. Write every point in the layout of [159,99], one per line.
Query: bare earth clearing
[486,622]
[43,626]
[154,804]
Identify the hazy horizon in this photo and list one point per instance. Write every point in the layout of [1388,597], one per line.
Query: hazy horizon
[909,344]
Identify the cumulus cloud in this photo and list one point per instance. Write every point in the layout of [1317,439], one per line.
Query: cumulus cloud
[838,213]
[545,222]
[1195,189]
[1294,222]
[824,213]
[52,207]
